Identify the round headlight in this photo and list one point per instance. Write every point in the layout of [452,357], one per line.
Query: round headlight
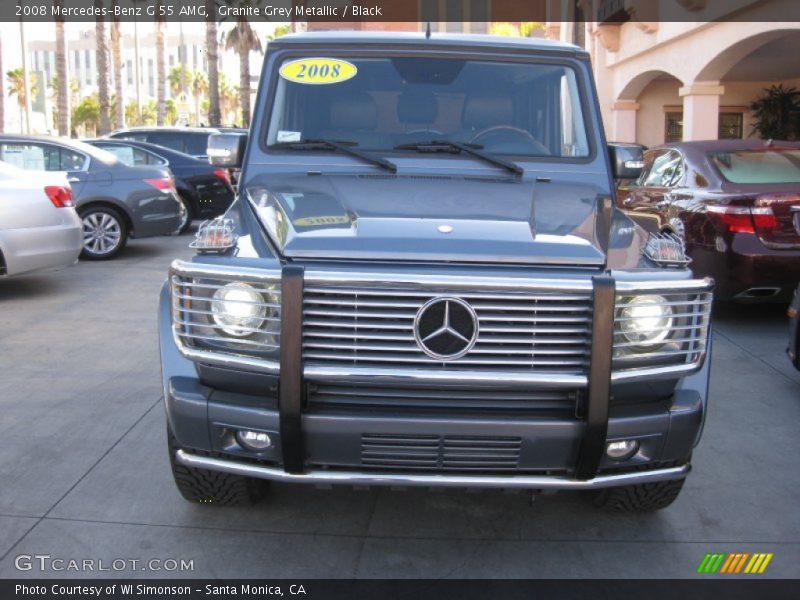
[237,309]
[646,320]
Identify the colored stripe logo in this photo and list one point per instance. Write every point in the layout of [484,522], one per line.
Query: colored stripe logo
[735,562]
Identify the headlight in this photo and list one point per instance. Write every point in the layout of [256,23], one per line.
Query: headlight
[238,309]
[645,321]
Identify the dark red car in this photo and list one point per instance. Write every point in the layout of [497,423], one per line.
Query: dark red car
[736,203]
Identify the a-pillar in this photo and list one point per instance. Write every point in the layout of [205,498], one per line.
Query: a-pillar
[623,117]
[701,110]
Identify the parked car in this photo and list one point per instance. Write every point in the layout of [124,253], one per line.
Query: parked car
[794,329]
[736,203]
[205,191]
[39,227]
[189,140]
[429,285]
[114,201]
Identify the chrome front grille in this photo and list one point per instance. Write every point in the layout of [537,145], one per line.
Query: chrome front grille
[374,327]
[542,402]
[433,452]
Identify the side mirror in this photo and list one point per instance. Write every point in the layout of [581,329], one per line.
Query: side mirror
[627,160]
[227,149]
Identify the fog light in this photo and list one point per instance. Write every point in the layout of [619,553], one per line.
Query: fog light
[622,450]
[254,440]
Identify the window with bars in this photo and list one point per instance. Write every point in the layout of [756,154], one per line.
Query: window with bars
[673,128]
[731,126]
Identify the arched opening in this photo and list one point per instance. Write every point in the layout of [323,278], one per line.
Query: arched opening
[648,109]
[744,69]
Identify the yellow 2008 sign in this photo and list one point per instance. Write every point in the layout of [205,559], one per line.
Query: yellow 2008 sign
[318,71]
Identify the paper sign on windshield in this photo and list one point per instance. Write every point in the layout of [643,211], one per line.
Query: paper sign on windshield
[318,71]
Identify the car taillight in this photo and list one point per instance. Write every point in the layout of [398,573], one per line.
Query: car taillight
[164,184]
[223,174]
[742,219]
[60,196]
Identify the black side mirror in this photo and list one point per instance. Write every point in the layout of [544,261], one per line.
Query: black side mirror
[227,149]
[627,160]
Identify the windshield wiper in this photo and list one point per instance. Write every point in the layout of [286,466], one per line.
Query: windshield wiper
[346,147]
[472,149]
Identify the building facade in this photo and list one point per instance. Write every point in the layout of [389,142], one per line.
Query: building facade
[690,71]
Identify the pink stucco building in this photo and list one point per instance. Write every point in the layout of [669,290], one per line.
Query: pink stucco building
[681,69]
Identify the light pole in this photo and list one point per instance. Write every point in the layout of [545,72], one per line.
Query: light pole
[26,78]
[136,67]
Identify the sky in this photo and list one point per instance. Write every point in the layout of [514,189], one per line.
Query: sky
[10,34]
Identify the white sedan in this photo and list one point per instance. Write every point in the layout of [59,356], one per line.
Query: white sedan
[39,228]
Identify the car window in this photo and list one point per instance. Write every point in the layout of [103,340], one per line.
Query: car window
[758,166]
[509,107]
[171,140]
[42,157]
[137,137]
[196,144]
[662,168]
[133,157]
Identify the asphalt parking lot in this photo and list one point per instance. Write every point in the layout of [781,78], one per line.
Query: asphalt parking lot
[84,472]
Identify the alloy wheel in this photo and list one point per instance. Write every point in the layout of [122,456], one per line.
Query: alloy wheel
[102,233]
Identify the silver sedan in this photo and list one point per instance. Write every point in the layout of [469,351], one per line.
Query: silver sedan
[39,227]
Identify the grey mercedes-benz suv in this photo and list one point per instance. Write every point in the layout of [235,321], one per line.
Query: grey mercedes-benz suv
[424,282]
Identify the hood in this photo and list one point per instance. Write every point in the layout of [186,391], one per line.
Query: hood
[429,218]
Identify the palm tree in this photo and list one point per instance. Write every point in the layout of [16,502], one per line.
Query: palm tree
[244,40]
[212,57]
[102,72]
[177,76]
[228,97]
[161,74]
[199,88]
[2,97]
[116,63]
[16,87]
[62,77]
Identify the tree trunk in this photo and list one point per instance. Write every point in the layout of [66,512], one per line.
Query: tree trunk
[116,61]
[161,72]
[102,72]
[244,83]
[62,74]
[212,56]
[2,95]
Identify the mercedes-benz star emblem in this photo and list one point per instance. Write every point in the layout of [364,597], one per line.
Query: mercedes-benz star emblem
[446,328]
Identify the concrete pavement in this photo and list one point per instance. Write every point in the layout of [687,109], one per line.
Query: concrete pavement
[84,472]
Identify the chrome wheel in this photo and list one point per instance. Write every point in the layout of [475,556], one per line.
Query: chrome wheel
[102,233]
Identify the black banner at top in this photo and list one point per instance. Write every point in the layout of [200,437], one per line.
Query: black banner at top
[366,11]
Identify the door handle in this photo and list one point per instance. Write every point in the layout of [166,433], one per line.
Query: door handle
[73,179]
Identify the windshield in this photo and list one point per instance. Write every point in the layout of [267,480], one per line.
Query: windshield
[511,108]
[758,166]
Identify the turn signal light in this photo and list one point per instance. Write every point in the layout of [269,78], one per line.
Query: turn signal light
[165,184]
[741,219]
[60,196]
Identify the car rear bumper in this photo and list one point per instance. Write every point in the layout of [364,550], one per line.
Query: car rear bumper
[42,248]
[749,271]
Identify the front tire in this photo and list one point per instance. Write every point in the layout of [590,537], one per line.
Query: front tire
[105,232]
[643,497]
[201,486]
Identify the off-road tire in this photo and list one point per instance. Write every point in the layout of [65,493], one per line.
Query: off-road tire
[643,497]
[201,486]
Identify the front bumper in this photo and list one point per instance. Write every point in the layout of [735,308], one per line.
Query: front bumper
[323,445]
[327,477]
